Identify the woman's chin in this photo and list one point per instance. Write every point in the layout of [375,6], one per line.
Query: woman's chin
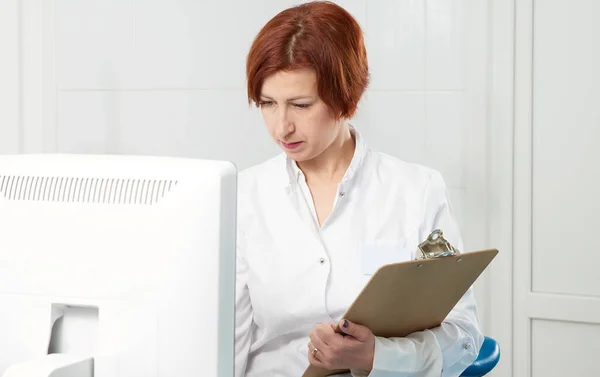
[298,156]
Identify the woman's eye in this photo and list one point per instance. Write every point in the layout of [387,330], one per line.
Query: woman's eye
[302,105]
[265,103]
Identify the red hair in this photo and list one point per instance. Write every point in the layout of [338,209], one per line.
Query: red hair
[318,35]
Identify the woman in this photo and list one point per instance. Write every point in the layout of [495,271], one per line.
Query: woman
[317,220]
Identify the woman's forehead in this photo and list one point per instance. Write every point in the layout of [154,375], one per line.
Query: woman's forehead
[290,84]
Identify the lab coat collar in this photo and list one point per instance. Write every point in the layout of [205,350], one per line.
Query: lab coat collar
[360,151]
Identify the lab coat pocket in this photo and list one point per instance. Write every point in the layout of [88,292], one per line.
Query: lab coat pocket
[375,255]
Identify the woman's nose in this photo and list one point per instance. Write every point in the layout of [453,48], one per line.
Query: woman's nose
[284,125]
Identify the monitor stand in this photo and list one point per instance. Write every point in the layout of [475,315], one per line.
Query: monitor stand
[74,334]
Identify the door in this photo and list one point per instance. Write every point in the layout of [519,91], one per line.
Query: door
[556,189]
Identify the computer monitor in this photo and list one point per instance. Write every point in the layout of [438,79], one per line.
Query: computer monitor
[139,249]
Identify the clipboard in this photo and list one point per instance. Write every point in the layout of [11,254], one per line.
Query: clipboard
[405,297]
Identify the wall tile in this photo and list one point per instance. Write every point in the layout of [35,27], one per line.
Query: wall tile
[445,41]
[445,135]
[395,40]
[88,121]
[197,44]
[94,44]
[201,124]
[216,124]
[393,122]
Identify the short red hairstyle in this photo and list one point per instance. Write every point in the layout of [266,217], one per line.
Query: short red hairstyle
[318,35]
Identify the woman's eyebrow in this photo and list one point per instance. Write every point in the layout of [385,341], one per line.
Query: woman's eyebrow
[289,99]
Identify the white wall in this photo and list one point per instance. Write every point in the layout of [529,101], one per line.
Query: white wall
[167,77]
[9,77]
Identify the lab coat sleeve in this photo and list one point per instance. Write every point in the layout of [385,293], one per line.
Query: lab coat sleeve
[450,348]
[243,307]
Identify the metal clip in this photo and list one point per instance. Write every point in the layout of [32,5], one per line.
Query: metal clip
[436,246]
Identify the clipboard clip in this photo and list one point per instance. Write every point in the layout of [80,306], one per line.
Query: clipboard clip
[436,246]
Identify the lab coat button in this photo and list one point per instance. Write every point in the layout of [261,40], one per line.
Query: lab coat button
[342,193]
[467,346]
[322,260]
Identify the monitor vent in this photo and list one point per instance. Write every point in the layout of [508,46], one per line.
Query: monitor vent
[84,190]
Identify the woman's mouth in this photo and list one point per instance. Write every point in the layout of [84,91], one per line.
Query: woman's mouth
[291,145]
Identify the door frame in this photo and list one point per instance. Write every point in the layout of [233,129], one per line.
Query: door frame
[500,167]
[523,185]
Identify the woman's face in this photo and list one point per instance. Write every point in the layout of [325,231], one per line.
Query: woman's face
[297,119]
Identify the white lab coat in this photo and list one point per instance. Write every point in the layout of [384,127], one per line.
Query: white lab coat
[293,274]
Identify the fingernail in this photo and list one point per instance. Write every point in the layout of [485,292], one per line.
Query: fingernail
[345,323]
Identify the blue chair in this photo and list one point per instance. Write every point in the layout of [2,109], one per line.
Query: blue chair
[489,355]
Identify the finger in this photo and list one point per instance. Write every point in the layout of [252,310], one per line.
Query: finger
[313,358]
[326,326]
[359,332]
[326,334]
[322,347]
[313,355]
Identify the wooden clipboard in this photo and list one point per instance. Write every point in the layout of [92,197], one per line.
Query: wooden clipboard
[406,297]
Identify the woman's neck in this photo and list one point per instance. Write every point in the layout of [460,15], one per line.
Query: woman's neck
[331,165]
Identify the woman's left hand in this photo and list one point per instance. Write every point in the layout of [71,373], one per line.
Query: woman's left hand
[354,349]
